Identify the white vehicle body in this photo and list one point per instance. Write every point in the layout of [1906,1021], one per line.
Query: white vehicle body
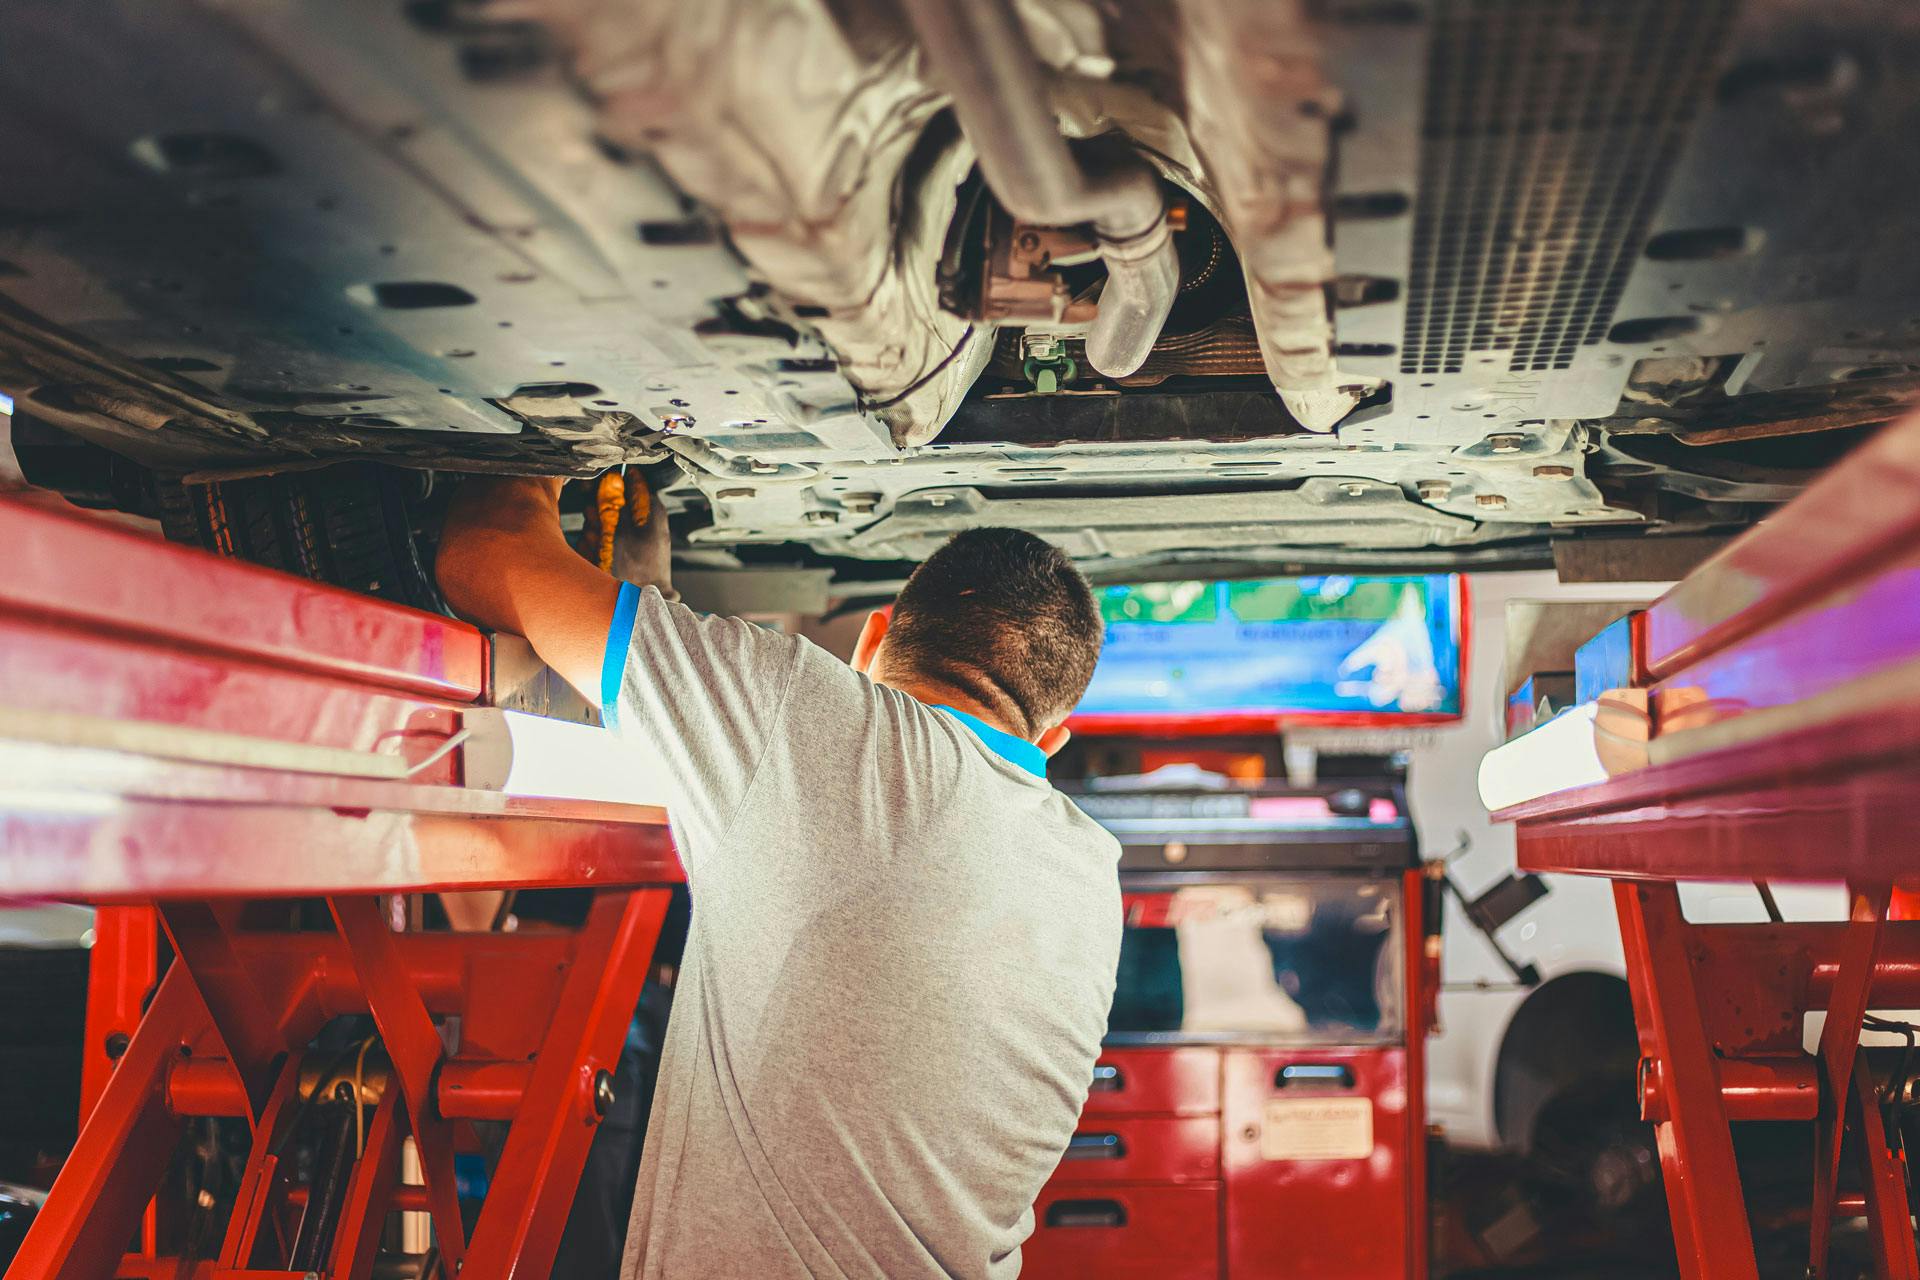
[1570,933]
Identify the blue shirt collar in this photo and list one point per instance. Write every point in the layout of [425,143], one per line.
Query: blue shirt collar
[1015,751]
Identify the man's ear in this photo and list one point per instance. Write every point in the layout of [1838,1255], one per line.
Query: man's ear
[868,644]
[1053,739]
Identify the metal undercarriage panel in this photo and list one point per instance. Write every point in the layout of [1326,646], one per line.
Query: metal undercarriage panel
[556,236]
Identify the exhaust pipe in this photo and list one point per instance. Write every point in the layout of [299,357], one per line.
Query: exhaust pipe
[979,54]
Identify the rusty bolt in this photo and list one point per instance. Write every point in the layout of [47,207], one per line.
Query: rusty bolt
[1433,490]
[1506,442]
[1553,473]
[1491,501]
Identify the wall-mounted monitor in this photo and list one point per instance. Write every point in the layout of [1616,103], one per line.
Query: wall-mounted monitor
[1254,656]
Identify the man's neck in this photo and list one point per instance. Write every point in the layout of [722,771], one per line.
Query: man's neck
[936,694]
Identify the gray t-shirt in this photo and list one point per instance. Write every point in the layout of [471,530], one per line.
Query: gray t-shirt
[901,959]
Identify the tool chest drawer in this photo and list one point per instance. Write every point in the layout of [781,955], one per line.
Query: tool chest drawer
[1137,1149]
[1184,1081]
[1106,1231]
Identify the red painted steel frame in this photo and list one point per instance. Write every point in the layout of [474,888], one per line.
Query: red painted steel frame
[1785,695]
[99,580]
[123,969]
[1696,1147]
[105,629]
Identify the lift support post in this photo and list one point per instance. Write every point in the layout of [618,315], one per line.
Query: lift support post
[259,771]
[1781,688]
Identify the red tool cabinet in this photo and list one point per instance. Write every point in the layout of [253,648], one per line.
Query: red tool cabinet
[1237,1127]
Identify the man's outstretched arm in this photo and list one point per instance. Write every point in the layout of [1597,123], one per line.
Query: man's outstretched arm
[505,564]
[701,695]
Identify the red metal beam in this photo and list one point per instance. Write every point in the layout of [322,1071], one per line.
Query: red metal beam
[1750,1089]
[1837,532]
[106,846]
[96,1203]
[1796,660]
[1839,1043]
[411,1197]
[370,1195]
[1896,974]
[261,1186]
[439,965]
[1709,1215]
[533,1184]
[247,1026]
[415,1049]
[129,678]
[99,578]
[123,967]
[1883,1175]
[486,1090]
[463,1090]
[1787,827]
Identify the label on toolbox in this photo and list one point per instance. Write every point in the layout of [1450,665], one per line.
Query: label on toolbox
[1317,1129]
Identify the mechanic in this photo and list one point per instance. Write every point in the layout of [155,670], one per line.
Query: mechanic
[904,940]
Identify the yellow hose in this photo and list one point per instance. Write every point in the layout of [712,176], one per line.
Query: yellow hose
[611,496]
[639,506]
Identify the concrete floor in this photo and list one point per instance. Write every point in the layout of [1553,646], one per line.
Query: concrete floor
[1494,1219]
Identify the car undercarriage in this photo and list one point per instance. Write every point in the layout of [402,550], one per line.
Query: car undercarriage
[1202,286]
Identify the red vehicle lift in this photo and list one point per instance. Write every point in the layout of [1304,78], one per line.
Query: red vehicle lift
[256,770]
[1775,694]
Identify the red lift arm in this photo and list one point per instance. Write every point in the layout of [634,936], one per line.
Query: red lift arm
[198,745]
[1782,686]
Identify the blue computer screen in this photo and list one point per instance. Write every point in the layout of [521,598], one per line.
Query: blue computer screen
[1379,645]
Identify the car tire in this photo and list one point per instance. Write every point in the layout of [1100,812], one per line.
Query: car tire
[1591,1147]
[361,526]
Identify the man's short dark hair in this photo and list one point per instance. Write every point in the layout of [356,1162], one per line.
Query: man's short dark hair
[1003,617]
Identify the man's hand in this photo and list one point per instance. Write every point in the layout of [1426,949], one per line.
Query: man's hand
[504,563]
[643,555]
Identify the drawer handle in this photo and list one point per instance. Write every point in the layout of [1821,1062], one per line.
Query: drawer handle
[1086,1213]
[1096,1146]
[1107,1078]
[1314,1073]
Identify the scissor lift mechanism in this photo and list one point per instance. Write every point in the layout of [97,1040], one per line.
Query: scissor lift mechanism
[1781,686]
[196,745]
